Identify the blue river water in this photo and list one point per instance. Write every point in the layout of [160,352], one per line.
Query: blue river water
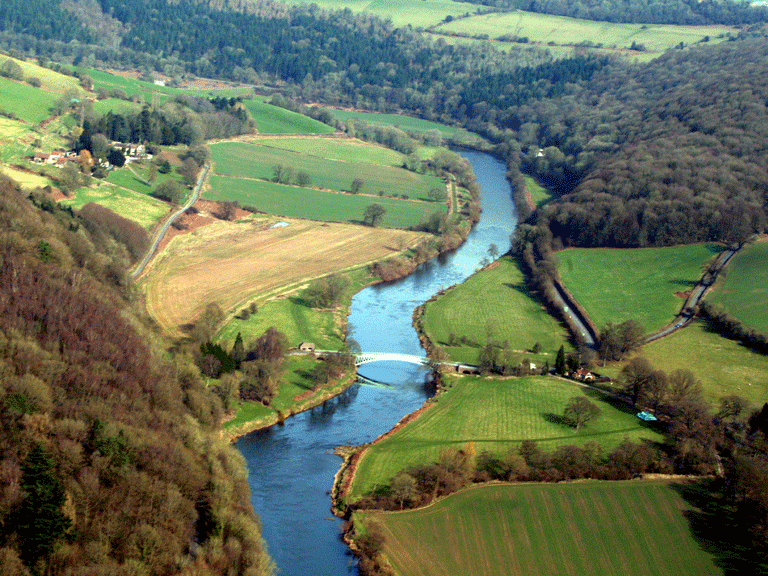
[291,467]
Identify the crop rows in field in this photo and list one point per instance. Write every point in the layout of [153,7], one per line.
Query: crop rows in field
[496,415]
[246,160]
[498,299]
[595,528]
[744,290]
[614,285]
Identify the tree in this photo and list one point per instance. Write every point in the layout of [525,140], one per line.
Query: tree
[636,376]
[327,292]
[436,195]
[238,350]
[188,171]
[373,214]
[404,488]
[493,251]
[303,179]
[40,519]
[116,158]
[272,345]
[70,179]
[579,411]
[169,190]
[152,171]
[260,380]
[560,361]
[357,185]
[10,69]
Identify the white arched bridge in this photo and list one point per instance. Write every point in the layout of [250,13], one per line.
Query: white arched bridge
[365,357]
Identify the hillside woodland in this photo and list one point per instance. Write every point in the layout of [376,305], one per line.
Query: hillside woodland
[110,457]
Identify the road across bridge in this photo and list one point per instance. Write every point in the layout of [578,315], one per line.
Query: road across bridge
[366,357]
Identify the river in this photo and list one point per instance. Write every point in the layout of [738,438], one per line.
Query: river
[291,467]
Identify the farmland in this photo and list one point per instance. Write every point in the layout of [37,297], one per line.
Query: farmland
[614,285]
[545,28]
[539,195]
[274,120]
[232,264]
[744,290]
[632,527]
[25,102]
[246,160]
[140,208]
[497,415]
[407,124]
[498,296]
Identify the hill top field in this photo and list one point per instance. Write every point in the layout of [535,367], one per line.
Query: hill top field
[743,291]
[598,528]
[546,28]
[497,415]
[407,124]
[614,285]
[233,263]
[497,297]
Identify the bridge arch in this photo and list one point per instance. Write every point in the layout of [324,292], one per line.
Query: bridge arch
[365,357]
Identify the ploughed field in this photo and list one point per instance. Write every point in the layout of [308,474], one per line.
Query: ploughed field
[233,263]
[496,415]
[614,285]
[634,527]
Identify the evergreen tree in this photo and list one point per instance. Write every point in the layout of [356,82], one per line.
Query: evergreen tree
[40,519]
[560,361]
[238,351]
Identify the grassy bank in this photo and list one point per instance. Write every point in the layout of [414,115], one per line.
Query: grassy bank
[496,415]
[597,528]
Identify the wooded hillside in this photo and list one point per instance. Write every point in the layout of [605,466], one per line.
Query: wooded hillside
[110,457]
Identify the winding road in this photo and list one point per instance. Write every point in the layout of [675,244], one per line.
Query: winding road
[161,234]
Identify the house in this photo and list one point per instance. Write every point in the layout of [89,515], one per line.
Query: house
[583,374]
[307,347]
[41,157]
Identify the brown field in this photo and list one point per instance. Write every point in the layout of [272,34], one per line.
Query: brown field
[232,263]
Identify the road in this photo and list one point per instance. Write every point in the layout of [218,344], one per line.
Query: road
[161,234]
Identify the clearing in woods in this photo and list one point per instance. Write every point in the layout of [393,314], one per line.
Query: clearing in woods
[233,263]
[637,527]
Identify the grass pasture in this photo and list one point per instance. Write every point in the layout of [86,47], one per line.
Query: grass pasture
[499,296]
[619,284]
[251,160]
[275,120]
[561,30]
[407,124]
[635,527]
[497,415]
[539,194]
[49,80]
[235,263]
[743,291]
[26,180]
[140,208]
[25,102]
[340,150]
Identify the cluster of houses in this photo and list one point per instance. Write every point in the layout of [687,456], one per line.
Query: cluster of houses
[57,158]
[61,157]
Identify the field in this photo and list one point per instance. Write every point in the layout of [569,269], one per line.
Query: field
[25,179]
[408,124]
[635,527]
[616,285]
[340,150]
[251,160]
[723,366]
[116,106]
[744,290]
[235,263]
[27,103]
[539,195]
[49,80]
[275,120]
[134,206]
[497,415]
[545,28]
[499,296]
[419,13]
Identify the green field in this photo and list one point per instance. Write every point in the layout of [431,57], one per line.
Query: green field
[539,194]
[744,290]
[246,160]
[25,102]
[545,28]
[597,528]
[498,296]
[620,284]
[116,106]
[275,120]
[138,207]
[497,415]
[292,201]
[418,13]
[723,366]
[340,150]
[408,124]
[49,80]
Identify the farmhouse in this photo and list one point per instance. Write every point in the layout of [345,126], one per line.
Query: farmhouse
[307,347]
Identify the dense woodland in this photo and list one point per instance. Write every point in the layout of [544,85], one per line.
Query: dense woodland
[110,459]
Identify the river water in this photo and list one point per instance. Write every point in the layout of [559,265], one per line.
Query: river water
[291,467]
